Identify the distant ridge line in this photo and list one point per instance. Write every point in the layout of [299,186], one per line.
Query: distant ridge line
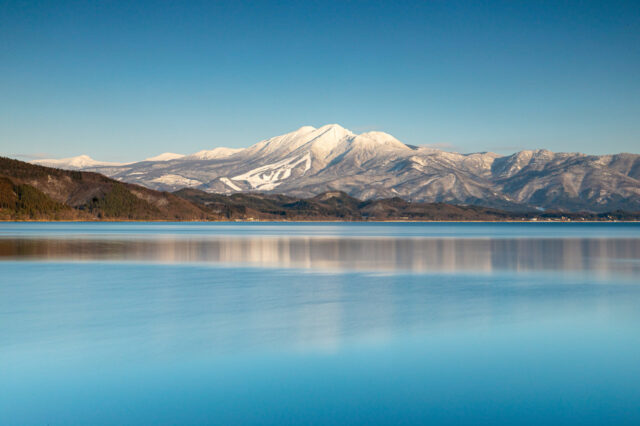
[376,165]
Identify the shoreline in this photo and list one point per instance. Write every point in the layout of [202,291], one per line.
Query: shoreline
[314,221]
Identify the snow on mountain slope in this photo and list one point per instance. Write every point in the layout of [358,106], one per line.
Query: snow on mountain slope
[312,160]
[84,161]
[74,163]
[167,156]
[230,184]
[383,139]
[172,180]
[281,145]
[268,177]
[212,154]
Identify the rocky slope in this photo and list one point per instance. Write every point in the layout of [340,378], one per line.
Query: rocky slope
[375,165]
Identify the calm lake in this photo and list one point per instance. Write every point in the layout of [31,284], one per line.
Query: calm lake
[273,323]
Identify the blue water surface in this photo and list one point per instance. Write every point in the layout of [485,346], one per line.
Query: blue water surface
[319,324]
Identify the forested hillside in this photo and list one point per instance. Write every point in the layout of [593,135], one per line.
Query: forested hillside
[31,192]
[337,205]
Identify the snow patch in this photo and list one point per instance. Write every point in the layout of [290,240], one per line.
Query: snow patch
[167,156]
[230,184]
[268,177]
[176,180]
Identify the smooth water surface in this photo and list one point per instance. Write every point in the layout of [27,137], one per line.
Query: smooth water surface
[136,323]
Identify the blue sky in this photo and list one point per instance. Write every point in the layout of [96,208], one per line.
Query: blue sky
[122,81]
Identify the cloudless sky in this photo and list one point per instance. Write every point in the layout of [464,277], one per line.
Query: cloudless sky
[124,80]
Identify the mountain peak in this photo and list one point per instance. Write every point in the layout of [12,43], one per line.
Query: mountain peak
[167,156]
[213,154]
[331,133]
[333,126]
[77,162]
[374,164]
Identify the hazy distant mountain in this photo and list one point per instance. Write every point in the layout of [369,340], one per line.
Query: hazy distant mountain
[74,163]
[166,156]
[374,165]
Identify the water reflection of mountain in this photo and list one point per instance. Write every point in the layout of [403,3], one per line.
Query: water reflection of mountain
[420,255]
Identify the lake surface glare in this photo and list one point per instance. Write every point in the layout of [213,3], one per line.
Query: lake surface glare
[274,323]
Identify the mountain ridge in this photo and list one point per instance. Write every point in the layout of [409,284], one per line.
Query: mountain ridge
[32,192]
[375,165]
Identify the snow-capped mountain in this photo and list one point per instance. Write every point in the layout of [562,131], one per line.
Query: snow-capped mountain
[166,156]
[74,163]
[309,161]
[213,154]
